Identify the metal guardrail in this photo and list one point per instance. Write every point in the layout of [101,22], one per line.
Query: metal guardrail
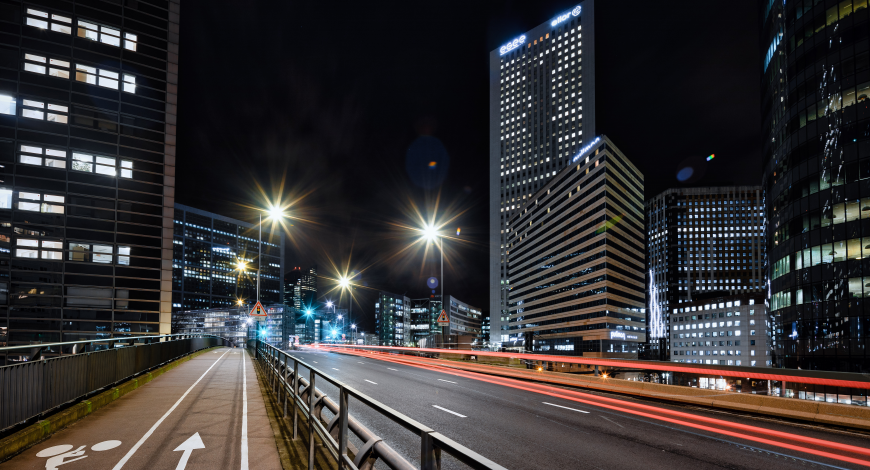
[33,388]
[285,382]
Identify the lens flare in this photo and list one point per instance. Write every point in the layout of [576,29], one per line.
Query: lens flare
[712,156]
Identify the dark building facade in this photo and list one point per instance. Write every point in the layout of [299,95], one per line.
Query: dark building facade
[424,315]
[88,94]
[816,153]
[700,241]
[576,252]
[292,276]
[207,250]
[392,319]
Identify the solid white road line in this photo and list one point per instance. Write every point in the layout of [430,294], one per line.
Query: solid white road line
[244,417]
[451,412]
[144,438]
[560,406]
[393,369]
[447,381]
[369,381]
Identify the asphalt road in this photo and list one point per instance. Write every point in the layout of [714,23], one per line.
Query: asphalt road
[197,411]
[528,429]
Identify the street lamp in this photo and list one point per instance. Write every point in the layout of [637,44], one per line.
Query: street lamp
[430,232]
[353,327]
[274,213]
[345,283]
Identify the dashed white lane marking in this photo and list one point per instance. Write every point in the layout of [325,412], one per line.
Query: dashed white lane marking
[393,369]
[369,381]
[451,412]
[447,381]
[565,407]
[614,422]
[334,368]
[144,438]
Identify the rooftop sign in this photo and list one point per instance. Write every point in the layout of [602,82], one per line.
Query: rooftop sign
[586,149]
[566,16]
[512,45]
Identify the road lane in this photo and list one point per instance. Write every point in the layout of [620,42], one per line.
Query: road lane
[204,426]
[510,425]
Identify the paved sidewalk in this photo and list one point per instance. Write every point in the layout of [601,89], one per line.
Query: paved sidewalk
[193,417]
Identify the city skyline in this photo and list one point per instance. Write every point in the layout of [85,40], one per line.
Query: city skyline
[369,137]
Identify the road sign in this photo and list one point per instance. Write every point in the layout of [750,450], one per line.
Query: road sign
[443,319]
[188,446]
[258,310]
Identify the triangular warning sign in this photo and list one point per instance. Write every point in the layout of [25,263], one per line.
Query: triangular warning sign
[443,318]
[258,310]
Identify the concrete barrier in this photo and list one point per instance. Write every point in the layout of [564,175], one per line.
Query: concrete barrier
[41,430]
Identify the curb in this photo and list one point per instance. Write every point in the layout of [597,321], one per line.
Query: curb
[41,430]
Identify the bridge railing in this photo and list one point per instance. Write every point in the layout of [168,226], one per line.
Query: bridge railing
[33,388]
[284,379]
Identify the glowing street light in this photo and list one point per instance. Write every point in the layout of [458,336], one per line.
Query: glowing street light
[329,303]
[274,213]
[430,232]
[240,302]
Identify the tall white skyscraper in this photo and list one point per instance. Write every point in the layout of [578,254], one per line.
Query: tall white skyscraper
[542,110]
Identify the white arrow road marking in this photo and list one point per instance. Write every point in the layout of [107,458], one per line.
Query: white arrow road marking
[560,406]
[148,434]
[447,381]
[192,442]
[451,412]
[369,381]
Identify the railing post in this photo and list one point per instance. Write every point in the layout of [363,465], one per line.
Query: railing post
[430,457]
[295,396]
[342,427]
[311,418]
[285,384]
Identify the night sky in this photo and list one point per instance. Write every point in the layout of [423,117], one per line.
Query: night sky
[318,103]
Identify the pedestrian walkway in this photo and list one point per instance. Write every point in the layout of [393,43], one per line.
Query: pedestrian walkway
[207,413]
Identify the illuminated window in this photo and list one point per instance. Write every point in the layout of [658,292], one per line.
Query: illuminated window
[124,255]
[90,253]
[104,78]
[130,41]
[35,110]
[36,202]
[102,165]
[34,156]
[106,35]
[40,19]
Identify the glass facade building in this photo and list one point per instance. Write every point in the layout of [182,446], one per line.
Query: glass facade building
[464,319]
[576,252]
[542,112]
[816,155]
[393,319]
[702,241]
[206,250]
[88,94]
[424,313]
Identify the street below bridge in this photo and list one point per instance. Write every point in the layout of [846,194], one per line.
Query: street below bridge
[522,425]
[207,413]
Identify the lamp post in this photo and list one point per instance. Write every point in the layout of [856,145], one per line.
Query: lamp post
[431,233]
[353,327]
[345,283]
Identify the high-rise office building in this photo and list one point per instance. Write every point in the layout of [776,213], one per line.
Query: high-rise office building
[393,319]
[305,291]
[576,250]
[542,111]
[207,250]
[88,95]
[816,154]
[292,276]
[700,241]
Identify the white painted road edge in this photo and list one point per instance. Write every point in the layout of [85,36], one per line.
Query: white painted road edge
[144,438]
[244,416]
[451,412]
[560,406]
